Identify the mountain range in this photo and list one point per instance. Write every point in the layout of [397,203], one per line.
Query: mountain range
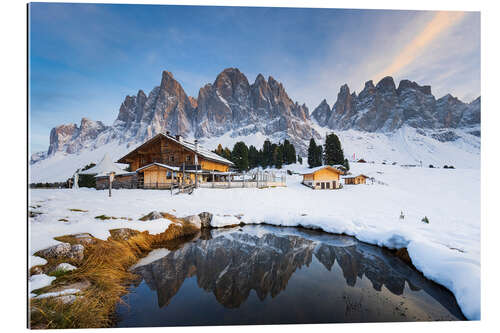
[232,106]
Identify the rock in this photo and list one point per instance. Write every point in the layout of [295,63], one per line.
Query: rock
[123,234]
[154,215]
[77,252]
[36,270]
[205,219]
[63,251]
[194,220]
[65,267]
[55,252]
[67,299]
[84,238]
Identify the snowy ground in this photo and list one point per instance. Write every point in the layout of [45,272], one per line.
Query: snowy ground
[447,250]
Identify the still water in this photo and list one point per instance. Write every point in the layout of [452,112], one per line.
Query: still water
[271,275]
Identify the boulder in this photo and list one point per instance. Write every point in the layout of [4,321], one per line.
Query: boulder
[154,215]
[65,267]
[205,219]
[194,220]
[123,234]
[84,238]
[77,252]
[56,252]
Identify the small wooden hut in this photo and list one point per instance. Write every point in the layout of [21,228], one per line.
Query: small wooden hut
[355,180]
[324,177]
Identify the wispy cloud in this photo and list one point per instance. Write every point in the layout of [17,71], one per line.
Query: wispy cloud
[440,23]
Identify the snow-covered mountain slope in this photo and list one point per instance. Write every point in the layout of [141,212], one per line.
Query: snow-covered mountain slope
[404,146]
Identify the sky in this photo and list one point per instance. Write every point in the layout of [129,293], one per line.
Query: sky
[85,58]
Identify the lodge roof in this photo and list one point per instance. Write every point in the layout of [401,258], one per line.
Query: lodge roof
[205,153]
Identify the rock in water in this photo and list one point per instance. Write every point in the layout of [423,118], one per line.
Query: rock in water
[205,219]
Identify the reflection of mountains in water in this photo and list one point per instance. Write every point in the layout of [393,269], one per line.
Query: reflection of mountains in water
[232,263]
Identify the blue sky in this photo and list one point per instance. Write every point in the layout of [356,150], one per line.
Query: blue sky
[85,58]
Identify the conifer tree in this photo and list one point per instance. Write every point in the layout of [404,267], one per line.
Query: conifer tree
[253,157]
[346,164]
[219,151]
[333,153]
[278,156]
[239,156]
[226,154]
[318,157]
[312,152]
[267,154]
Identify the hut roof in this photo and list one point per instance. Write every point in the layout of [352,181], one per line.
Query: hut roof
[313,170]
[351,176]
[104,167]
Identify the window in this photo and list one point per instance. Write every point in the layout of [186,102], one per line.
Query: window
[172,158]
[327,185]
[188,158]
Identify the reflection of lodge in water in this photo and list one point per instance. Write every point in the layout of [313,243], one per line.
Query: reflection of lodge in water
[233,263]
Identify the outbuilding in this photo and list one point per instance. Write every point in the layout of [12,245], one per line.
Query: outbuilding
[355,180]
[324,177]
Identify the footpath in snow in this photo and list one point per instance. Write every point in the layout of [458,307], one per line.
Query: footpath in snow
[447,250]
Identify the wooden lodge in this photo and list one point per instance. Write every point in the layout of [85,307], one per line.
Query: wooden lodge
[166,161]
[355,180]
[324,177]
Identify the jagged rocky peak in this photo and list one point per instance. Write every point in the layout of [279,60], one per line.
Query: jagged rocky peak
[407,84]
[70,138]
[232,104]
[322,113]
[60,135]
[386,84]
[166,108]
[383,108]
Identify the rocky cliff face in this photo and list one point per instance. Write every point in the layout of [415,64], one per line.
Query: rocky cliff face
[232,104]
[70,138]
[385,108]
[229,104]
[166,108]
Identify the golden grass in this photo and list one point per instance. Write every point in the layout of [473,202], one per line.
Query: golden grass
[105,266]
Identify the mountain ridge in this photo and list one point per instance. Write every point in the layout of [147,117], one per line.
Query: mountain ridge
[231,104]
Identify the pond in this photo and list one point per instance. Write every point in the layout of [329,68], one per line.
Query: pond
[270,275]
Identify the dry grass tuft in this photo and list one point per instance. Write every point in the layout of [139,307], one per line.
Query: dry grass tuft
[105,266]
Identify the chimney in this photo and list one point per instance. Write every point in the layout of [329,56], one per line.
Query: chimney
[196,145]
[178,138]
[168,133]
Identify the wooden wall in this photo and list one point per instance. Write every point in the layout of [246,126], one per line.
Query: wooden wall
[326,174]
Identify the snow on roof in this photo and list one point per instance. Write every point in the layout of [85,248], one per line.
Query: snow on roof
[173,168]
[313,170]
[354,176]
[201,150]
[104,167]
[189,145]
